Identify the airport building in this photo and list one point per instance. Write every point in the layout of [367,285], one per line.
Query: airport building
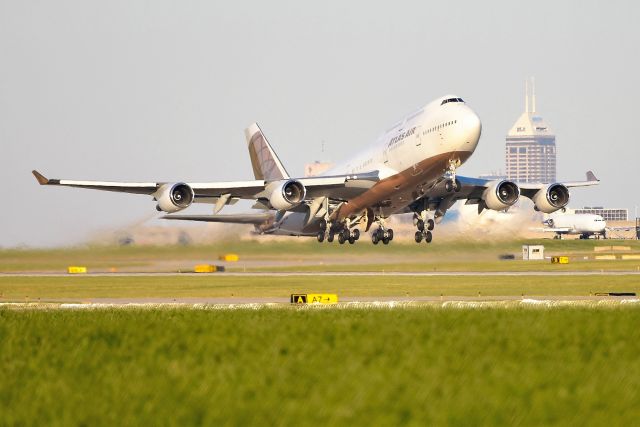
[606,213]
[531,147]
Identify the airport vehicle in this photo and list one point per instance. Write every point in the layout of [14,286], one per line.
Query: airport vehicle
[411,167]
[583,225]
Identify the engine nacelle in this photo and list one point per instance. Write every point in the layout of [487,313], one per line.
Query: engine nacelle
[287,195]
[174,197]
[551,198]
[499,195]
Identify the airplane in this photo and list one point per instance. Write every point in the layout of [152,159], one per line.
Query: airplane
[584,225]
[411,168]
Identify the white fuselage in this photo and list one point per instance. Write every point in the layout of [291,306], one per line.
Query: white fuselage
[433,130]
[410,156]
[577,223]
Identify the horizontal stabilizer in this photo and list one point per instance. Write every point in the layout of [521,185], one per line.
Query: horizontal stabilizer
[252,218]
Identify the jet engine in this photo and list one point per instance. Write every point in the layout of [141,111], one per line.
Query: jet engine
[287,195]
[551,198]
[174,197]
[499,195]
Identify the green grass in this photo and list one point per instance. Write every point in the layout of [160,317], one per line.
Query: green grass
[77,288]
[297,251]
[320,367]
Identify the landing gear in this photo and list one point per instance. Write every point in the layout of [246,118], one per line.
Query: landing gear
[344,235]
[382,235]
[424,226]
[452,183]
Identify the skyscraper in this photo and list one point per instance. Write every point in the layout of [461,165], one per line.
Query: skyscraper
[531,146]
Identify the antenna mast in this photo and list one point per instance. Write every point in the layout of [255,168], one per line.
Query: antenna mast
[533,93]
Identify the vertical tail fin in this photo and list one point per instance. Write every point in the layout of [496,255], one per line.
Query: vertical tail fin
[265,162]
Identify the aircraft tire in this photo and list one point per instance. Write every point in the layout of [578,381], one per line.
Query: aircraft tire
[320,236]
[385,240]
[356,234]
[352,240]
[390,234]
[418,236]
[341,238]
[430,224]
[457,186]
[374,238]
[420,225]
[428,237]
[330,238]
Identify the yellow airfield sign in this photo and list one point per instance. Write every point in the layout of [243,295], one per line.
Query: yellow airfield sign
[314,298]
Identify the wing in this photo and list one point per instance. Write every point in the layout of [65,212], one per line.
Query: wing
[438,199]
[337,187]
[472,188]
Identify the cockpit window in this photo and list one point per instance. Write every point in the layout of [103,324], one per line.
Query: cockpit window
[451,100]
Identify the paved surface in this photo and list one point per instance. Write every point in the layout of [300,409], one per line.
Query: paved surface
[339,273]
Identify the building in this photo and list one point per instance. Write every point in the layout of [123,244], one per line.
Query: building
[532,252]
[316,168]
[607,214]
[531,147]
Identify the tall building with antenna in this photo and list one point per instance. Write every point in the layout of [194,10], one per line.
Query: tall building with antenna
[531,146]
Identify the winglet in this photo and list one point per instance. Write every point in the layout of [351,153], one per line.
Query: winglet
[42,180]
[591,176]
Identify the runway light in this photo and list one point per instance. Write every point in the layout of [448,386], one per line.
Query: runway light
[76,270]
[229,257]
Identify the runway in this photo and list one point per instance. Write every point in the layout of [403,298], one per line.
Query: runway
[337,273]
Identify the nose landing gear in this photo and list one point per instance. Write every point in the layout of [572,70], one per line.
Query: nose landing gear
[452,184]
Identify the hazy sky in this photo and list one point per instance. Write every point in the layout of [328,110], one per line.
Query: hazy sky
[162,90]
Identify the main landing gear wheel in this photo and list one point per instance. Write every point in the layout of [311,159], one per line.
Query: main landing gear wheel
[321,236]
[330,237]
[382,235]
[426,235]
[430,224]
[341,238]
[420,225]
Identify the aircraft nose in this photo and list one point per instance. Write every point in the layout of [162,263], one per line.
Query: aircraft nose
[472,128]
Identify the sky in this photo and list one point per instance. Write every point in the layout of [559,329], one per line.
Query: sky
[162,90]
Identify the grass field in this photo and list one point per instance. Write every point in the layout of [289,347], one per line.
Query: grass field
[77,288]
[320,367]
